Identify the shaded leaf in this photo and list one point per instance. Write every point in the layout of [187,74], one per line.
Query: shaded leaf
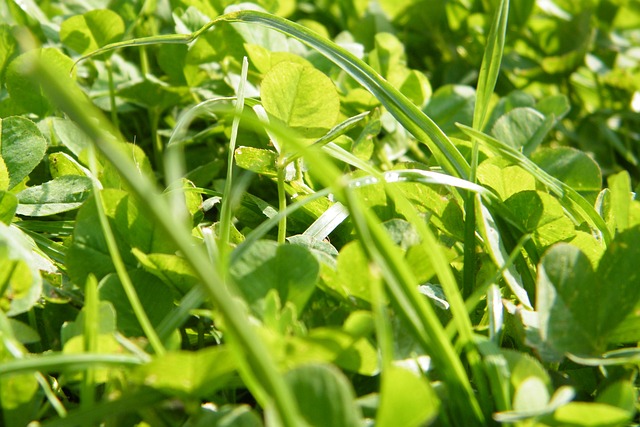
[324,395]
[292,270]
[59,195]
[156,299]
[188,374]
[22,147]
[96,28]
[573,167]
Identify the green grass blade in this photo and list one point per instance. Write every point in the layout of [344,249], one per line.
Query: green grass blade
[487,79]
[121,269]
[490,67]
[227,198]
[571,199]
[90,335]
[73,102]
[410,116]
[55,362]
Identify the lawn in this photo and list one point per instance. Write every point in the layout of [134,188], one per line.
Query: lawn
[334,213]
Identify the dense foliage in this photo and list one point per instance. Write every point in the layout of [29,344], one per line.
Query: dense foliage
[329,213]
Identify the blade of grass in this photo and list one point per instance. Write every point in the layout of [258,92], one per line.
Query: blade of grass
[90,334]
[55,362]
[490,67]
[571,200]
[489,70]
[72,101]
[227,198]
[121,269]
[410,116]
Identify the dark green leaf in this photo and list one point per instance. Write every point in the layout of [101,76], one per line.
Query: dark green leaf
[292,270]
[324,396]
[59,195]
[156,299]
[22,147]
[132,228]
[573,167]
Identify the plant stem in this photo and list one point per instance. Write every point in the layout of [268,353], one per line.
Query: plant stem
[121,269]
[112,94]
[282,201]
[225,214]
[262,374]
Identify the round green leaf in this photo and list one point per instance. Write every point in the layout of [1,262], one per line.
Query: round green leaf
[292,270]
[580,320]
[24,89]
[156,299]
[88,32]
[301,97]
[325,397]
[22,147]
[518,126]
[406,399]
[573,167]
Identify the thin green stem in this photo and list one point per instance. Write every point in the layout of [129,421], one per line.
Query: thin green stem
[50,395]
[282,202]
[226,210]
[112,94]
[91,330]
[250,348]
[121,269]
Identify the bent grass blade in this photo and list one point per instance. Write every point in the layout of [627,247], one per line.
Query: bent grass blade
[410,116]
[261,365]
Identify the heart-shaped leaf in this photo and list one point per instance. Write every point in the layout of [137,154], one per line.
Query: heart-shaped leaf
[94,29]
[292,270]
[579,308]
[324,396]
[301,97]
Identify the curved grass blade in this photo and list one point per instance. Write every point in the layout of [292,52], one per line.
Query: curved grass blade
[262,371]
[410,116]
[489,70]
[227,198]
[55,362]
[572,201]
[128,402]
[490,67]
